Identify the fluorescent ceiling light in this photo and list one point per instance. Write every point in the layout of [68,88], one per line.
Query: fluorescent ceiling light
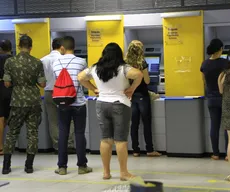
[23,21]
[104,18]
[181,14]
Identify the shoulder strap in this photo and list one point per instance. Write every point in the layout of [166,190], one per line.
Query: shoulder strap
[67,64]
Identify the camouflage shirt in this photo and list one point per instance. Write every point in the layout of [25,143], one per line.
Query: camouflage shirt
[24,72]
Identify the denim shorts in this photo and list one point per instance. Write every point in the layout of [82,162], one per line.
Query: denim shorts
[114,120]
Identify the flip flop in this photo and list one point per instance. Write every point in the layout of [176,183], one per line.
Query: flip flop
[214,157]
[127,178]
[107,177]
[154,154]
[227,178]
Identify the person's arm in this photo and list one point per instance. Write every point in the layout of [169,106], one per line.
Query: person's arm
[146,73]
[202,71]
[84,78]
[203,77]
[7,75]
[134,74]
[221,79]
[41,80]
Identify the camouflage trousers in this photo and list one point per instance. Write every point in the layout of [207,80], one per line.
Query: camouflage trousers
[31,116]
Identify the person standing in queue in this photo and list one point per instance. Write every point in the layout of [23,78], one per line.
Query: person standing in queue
[113,106]
[51,107]
[224,88]
[76,111]
[5,94]
[141,104]
[24,72]
[211,69]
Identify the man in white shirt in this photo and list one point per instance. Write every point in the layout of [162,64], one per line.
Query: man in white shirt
[51,107]
[76,111]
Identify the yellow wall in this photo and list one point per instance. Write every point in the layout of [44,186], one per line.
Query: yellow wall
[40,34]
[183,55]
[110,31]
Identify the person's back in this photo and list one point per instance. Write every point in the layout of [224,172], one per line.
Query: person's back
[24,73]
[211,69]
[48,61]
[113,90]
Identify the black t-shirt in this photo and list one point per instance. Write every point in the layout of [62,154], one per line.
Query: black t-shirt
[4,92]
[142,89]
[211,70]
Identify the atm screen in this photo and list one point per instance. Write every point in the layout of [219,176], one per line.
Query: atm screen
[153,63]
[224,56]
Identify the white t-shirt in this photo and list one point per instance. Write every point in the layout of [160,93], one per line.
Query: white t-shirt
[112,90]
[48,69]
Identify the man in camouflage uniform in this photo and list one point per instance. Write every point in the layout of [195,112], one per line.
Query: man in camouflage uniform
[24,72]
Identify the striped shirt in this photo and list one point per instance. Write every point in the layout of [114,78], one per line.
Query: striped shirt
[75,66]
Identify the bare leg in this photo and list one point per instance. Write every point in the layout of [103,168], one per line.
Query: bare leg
[122,153]
[2,126]
[106,153]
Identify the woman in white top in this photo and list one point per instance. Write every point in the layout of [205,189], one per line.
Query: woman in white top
[113,106]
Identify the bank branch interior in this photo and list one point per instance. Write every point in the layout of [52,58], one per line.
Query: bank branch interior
[174,47]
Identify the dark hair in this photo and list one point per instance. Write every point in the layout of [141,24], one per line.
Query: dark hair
[68,43]
[111,59]
[6,45]
[57,43]
[25,42]
[214,46]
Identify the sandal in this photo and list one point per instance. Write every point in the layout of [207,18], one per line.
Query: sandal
[154,154]
[136,154]
[127,178]
[227,178]
[214,157]
[107,177]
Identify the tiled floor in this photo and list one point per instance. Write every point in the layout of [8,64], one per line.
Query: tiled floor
[175,173]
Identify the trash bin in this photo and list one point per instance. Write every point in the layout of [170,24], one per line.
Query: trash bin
[185,126]
[158,187]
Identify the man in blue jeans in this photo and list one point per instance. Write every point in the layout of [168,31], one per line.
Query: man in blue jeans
[75,112]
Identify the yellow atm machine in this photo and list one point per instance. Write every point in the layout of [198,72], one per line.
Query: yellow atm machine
[39,31]
[184,88]
[102,30]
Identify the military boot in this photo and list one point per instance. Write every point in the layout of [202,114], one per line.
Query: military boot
[6,164]
[29,163]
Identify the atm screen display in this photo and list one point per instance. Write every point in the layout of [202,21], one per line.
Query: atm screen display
[153,63]
[224,56]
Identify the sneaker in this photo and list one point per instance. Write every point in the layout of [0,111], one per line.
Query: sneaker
[61,171]
[84,170]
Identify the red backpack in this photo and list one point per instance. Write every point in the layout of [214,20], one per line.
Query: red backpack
[64,92]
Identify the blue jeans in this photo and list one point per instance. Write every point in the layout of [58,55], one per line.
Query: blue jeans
[78,115]
[215,115]
[141,107]
[215,111]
